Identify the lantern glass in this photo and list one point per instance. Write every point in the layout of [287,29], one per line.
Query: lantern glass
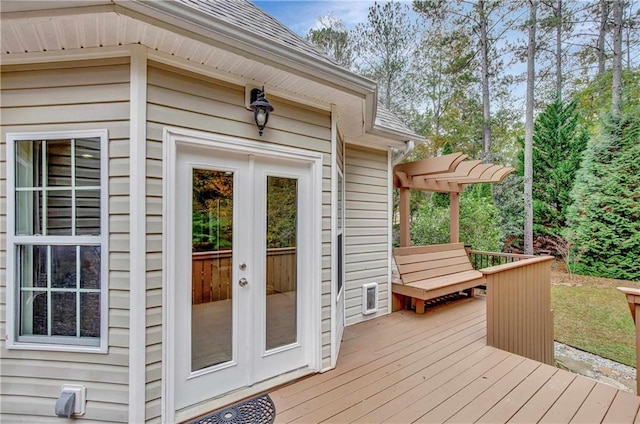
[261,117]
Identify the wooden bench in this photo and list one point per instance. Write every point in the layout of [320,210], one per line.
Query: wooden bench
[427,272]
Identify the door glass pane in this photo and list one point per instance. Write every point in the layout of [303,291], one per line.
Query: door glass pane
[281,278]
[211,268]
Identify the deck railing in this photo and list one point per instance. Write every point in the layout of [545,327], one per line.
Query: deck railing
[482,259]
[519,315]
[211,273]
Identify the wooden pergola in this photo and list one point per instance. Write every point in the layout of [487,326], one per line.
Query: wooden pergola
[442,174]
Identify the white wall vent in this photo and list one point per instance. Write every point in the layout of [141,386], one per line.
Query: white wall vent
[369,298]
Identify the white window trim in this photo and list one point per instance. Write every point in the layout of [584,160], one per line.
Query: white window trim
[13,294]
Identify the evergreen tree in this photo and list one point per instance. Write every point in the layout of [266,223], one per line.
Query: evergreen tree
[333,39]
[558,143]
[605,217]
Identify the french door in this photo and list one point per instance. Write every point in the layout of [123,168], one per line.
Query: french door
[243,244]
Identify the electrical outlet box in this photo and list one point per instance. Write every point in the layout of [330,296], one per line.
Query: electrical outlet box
[81,397]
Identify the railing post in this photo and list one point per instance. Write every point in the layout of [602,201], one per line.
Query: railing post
[519,315]
[633,298]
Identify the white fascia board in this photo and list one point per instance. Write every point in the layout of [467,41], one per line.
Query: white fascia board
[384,132]
[377,143]
[248,44]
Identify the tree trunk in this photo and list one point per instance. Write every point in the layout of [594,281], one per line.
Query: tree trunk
[616,88]
[486,105]
[558,13]
[604,17]
[528,137]
[628,33]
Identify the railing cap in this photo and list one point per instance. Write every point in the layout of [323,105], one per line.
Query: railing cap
[630,291]
[513,265]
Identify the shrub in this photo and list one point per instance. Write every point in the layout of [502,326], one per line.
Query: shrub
[604,220]
[478,221]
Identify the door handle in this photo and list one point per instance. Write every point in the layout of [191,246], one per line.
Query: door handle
[243,282]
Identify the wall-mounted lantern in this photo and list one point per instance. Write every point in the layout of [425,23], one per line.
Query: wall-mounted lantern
[261,108]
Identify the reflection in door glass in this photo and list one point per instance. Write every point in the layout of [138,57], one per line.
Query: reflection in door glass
[211,267]
[281,278]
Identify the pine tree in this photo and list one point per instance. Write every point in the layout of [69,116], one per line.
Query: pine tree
[558,143]
[605,216]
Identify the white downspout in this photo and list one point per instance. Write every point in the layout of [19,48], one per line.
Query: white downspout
[408,148]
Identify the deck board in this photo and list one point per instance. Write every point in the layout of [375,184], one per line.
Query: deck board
[571,400]
[437,367]
[596,405]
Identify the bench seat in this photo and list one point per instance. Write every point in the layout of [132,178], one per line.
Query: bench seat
[427,272]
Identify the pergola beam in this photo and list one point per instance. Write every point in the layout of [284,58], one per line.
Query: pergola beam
[442,174]
[436,165]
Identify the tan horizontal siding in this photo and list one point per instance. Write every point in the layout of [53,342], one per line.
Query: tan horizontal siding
[69,97]
[367,229]
[186,100]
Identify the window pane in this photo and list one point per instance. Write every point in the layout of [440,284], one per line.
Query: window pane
[88,162]
[29,163]
[32,265]
[58,163]
[28,213]
[88,212]
[63,266]
[90,267]
[63,313]
[281,275]
[59,213]
[33,313]
[90,314]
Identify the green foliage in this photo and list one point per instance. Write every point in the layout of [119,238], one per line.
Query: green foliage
[209,232]
[282,206]
[333,39]
[594,98]
[604,220]
[479,218]
[384,46]
[430,225]
[558,143]
[478,221]
[212,216]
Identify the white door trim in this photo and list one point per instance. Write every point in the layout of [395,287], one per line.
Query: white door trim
[171,138]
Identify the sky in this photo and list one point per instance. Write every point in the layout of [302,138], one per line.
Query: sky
[302,15]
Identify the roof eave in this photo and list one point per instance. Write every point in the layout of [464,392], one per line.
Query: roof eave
[398,135]
[243,41]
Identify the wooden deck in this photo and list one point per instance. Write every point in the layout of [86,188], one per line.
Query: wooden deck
[437,367]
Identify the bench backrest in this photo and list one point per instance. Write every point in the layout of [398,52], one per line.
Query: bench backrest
[421,262]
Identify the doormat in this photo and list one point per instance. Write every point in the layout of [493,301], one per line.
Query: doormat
[259,410]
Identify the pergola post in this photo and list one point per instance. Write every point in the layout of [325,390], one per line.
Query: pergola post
[405,214]
[454,220]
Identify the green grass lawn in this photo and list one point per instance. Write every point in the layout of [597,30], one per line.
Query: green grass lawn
[592,315]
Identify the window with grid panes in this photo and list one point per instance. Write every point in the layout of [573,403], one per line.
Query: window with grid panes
[58,237]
